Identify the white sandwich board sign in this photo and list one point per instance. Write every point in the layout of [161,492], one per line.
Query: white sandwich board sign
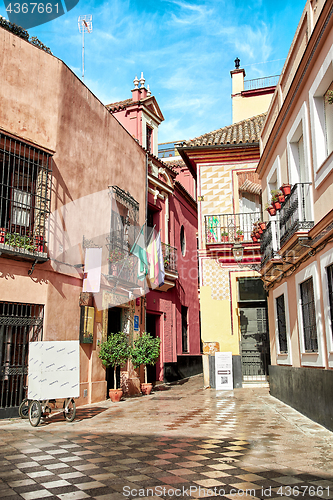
[223,371]
[54,370]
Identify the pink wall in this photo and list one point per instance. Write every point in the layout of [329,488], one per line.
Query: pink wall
[44,103]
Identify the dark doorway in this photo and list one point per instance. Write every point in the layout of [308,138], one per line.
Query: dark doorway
[254,341]
[19,325]
[151,328]
[114,326]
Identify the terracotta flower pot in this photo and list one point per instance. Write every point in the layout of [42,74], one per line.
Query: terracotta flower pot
[271,210]
[257,235]
[2,235]
[277,205]
[262,225]
[115,395]
[282,198]
[254,239]
[146,388]
[286,189]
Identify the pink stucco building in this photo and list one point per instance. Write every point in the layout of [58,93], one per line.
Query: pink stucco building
[67,169]
[172,310]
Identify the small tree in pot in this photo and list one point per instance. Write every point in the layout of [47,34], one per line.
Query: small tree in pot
[145,352]
[115,351]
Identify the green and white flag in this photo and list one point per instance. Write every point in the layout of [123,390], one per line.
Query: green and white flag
[140,251]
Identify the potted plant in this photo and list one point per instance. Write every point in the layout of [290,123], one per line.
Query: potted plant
[115,351]
[240,235]
[17,241]
[271,210]
[145,352]
[224,236]
[275,199]
[254,238]
[286,189]
[2,234]
[262,225]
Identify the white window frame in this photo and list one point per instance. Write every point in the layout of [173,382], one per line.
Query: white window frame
[275,172]
[310,358]
[326,260]
[282,358]
[322,163]
[300,128]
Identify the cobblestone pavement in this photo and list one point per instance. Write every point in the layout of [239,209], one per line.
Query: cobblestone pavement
[185,441]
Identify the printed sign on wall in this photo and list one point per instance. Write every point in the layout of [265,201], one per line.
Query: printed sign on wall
[223,371]
[54,370]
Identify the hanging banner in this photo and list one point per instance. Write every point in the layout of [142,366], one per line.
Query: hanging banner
[92,270]
[223,371]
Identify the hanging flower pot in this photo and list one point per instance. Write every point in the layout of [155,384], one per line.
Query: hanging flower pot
[277,205]
[282,198]
[271,210]
[262,225]
[286,189]
[2,234]
[257,235]
[254,239]
[260,231]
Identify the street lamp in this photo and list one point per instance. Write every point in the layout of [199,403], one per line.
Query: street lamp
[238,253]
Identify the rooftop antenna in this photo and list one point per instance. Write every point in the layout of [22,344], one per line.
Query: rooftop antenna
[85,24]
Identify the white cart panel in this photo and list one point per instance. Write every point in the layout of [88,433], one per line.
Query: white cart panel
[54,370]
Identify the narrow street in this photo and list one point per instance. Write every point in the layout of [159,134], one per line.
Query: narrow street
[184,441]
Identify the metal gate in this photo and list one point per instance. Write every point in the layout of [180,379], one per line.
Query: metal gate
[19,325]
[254,343]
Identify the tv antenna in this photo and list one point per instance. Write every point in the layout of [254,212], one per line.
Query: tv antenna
[85,25]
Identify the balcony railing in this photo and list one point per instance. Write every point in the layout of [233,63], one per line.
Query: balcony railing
[266,244]
[227,228]
[295,214]
[169,257]
[261,83]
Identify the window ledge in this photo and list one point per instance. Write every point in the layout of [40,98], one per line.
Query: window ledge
[324,169]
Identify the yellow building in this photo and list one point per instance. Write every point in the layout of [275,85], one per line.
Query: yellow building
[232,297]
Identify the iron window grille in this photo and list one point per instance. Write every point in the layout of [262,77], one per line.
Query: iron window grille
[309,316]
[25,195]
[19,325]
[281,321]
[329,271]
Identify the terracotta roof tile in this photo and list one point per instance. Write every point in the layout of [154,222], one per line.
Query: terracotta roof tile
[118,105]
[246,131]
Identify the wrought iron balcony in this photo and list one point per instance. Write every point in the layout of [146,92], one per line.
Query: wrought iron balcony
[169,257]
[296,214]
[266,244]
[227,228]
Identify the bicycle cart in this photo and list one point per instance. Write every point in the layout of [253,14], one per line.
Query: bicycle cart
[53,374]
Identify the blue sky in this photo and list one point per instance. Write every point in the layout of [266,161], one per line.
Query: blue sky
[186,50]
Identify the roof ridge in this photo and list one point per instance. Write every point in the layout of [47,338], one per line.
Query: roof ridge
[247,130]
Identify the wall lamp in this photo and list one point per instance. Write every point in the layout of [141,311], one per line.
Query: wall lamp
[238,253]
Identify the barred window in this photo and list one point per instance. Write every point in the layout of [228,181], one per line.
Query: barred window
[281,320]
[309,316]
[329,271]
[25,192]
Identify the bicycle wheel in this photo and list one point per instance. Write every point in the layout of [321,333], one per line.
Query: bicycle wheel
[24,408]
[35,413]
[70,411]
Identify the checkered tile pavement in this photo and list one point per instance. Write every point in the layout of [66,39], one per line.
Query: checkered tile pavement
[186,444]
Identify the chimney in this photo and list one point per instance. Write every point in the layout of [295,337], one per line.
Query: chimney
[237,76]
